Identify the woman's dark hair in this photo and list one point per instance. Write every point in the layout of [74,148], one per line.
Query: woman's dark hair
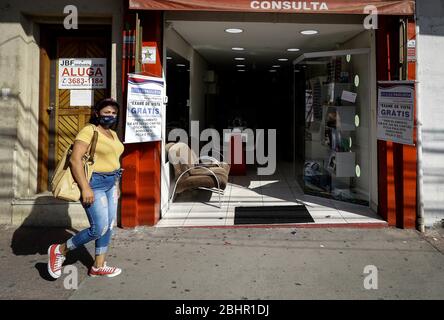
[108,102]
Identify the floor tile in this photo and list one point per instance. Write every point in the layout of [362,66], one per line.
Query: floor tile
[275,184]
[357,213]
[315,203]
[356,210]
[203,222]
[293,183]
[271,203]
[325,214]
[229,221]
[279,194]
[208,213]
[230,213]
[245,182]
[364,220]
[245,204]
[175,215]
[335,220]
[170,223]
[200,207]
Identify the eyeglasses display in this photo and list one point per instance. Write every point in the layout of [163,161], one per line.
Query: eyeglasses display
[336,153]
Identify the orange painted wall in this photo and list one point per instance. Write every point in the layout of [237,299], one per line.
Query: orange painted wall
[396,162]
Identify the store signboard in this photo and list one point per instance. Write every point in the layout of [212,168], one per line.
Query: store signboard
[394,7]
[396,111]
[82,73]
[145,108]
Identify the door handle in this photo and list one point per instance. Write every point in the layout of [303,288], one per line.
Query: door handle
[50,108]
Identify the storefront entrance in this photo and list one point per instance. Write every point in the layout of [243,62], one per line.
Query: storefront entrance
[271,76]
[363,180]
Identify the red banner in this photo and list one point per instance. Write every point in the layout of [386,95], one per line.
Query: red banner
[385,7]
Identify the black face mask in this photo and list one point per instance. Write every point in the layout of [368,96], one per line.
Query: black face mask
[107,121]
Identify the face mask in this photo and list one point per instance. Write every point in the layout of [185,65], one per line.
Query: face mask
[107,121]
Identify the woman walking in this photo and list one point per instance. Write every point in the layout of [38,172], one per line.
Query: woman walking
[100,196]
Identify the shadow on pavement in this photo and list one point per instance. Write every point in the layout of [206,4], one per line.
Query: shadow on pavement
[30,239]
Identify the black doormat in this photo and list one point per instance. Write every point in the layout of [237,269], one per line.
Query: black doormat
[272,215]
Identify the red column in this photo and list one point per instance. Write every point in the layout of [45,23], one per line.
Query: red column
[409,154]
[396,162]
[387,53]
[141,179]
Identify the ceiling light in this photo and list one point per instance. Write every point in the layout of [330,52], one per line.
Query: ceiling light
[234,30]
[238,49]
[240,65]
[293,49]
[309,32]
[272,70]
[283,59]
[180,65]
[169,58]
[241,70]
[276,66]
[239,59]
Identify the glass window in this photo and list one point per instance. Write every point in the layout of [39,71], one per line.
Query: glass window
[337,116]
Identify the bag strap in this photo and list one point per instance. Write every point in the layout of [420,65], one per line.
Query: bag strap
[92,145]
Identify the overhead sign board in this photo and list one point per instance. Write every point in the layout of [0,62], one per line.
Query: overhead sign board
[388,7]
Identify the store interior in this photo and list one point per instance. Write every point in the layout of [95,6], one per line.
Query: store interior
[307,77]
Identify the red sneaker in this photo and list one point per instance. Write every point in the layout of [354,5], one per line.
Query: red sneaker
[104,271]
[55,261]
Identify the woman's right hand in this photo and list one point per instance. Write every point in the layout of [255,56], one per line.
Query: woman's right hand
[87,196]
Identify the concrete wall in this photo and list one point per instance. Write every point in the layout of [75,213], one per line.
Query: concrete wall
[19,64]
[430,91]
[198,68]
[19,61]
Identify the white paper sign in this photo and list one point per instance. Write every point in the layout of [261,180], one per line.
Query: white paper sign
[80,98]
[348,96]
[145,108]
[82,73]
[396,112]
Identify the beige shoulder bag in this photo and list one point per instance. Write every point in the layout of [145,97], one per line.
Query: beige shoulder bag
[63,185]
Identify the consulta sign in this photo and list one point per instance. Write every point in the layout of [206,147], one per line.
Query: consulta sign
[387,7]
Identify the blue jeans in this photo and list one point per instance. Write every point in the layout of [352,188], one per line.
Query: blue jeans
[101,213]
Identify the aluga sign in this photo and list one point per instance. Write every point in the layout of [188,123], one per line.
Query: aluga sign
[290,5]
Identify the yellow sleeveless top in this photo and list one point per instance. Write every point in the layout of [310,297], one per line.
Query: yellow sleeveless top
[108,151]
